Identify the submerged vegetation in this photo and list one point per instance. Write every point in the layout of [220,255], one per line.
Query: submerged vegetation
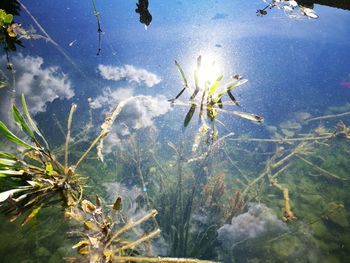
[280,194]
[210,99]
[37,180]
[293,9]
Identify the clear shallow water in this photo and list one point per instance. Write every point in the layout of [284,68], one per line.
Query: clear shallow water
[293,66]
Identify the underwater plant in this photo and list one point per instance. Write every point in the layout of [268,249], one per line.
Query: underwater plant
[99,30]
[36,180]
[291,8]
[210,99]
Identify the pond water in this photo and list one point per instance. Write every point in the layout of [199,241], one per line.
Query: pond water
[255,171]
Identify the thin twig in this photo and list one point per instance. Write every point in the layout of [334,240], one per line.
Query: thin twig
[322,170]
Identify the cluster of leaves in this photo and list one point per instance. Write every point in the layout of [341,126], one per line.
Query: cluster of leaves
[10,31]
[101,232]
[291,8]
[343,130]
[35,179]
[211,100]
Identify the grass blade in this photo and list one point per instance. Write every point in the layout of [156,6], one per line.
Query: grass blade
[32,123]
[248,116]
[215,85]
[11,137]
[182,73]
[189,115]
[21,123]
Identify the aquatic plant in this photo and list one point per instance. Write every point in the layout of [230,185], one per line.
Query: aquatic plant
[290,7]
[37,179]
[209,99]
[99,30]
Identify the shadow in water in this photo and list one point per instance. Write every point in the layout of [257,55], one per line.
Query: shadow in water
[142,9]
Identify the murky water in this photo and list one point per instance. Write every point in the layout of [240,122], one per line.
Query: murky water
[238,171]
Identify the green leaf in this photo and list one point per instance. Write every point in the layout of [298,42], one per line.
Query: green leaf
[230,87]
[31,122]
[7,162]
[6,194]
[182,73]
[21,123]
[215,85]
[118,203]
[13,138]
[32,215]
[232,98]
[196,81]
[49,169]
[206,88]
[8,155]
[189,115]
[8,19]
[196,84]
[248,116]
[220,103]
[3,84]
[9,172]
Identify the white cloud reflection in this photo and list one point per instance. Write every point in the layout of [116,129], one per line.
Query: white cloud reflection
[138,113]
[38,83]
[129,73]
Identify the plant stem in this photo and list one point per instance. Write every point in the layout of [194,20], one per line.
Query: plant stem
[134,244]
[326,117]
[130,225]
[98,138]
[72,109]
[322,170]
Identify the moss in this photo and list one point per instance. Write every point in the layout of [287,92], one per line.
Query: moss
[330,259]
[285,248]
[339,217]
[320,230]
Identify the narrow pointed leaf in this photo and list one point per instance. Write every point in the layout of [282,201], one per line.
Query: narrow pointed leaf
[248,116]
[31,122]
[196,85]
[7,162]
[232,98]
[21,122]
[182,73]
[215,85]
[7,155]
[189,115]
[6,173]
[6,194]
[118,203]
[178,95]
[32,215]
[10,136]
[202,100]
[220,103]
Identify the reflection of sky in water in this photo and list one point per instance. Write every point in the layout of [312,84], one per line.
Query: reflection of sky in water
[296,65]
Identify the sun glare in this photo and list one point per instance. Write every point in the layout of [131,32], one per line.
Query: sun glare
[207,69]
